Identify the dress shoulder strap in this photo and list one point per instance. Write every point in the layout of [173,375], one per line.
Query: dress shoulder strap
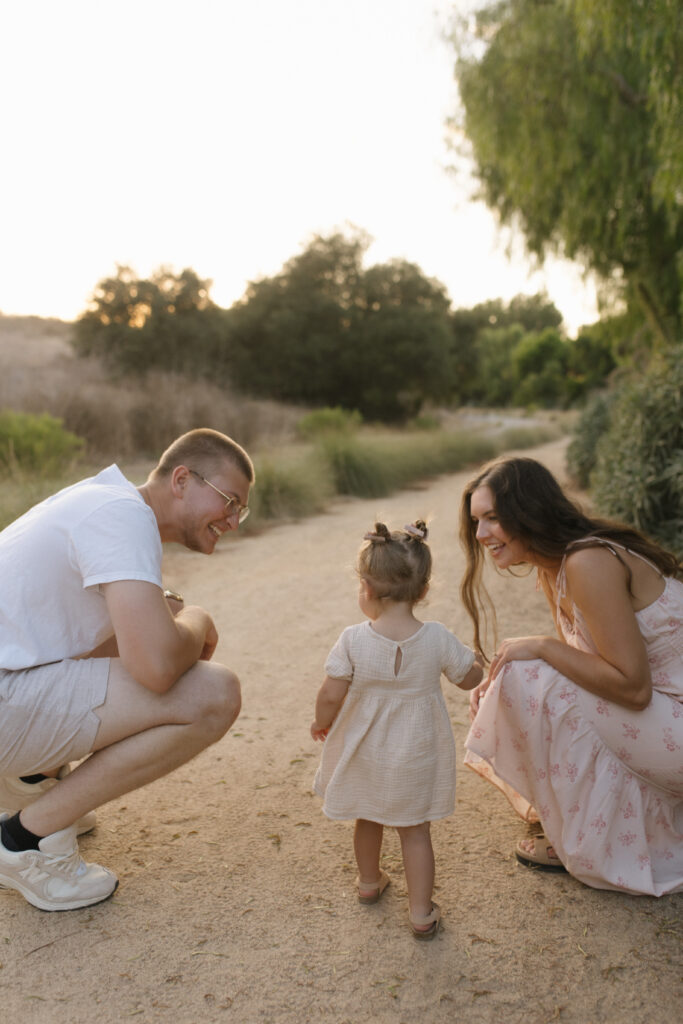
[604,542]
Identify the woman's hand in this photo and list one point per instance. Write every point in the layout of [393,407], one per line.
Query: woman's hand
[476,695]
[317,733]
[518,648]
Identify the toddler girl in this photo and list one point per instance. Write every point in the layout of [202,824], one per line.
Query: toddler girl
[389,754]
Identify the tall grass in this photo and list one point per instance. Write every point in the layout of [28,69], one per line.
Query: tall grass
[303,479]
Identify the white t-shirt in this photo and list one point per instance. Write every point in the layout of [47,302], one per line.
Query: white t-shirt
[53,559]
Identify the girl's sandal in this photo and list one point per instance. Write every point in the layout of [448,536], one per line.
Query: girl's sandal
[374,889]
[433,920]
[540,858]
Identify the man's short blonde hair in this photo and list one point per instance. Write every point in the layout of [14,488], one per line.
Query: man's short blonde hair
[204,450]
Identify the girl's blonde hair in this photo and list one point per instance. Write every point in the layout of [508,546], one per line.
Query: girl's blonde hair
[396,564]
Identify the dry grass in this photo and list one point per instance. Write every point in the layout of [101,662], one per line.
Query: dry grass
[128,417]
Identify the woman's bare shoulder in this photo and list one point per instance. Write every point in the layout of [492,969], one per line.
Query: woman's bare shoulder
[595,566]
[588,557]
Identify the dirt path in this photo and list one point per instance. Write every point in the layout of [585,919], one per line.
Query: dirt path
[237,901]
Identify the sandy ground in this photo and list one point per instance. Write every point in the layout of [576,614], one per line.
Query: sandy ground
[237,898]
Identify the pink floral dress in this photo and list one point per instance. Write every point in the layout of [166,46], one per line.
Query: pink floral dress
[605,782]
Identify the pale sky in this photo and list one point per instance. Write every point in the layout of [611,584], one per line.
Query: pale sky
[222,134]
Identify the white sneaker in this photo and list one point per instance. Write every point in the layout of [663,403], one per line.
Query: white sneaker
[54,877]
[15,795]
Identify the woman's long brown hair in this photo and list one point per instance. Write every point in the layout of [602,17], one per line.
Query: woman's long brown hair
[532,507]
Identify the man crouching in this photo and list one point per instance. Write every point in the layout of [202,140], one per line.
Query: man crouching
[97,659]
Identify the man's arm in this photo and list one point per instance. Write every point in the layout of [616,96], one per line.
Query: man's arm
[109,648]
[154,646]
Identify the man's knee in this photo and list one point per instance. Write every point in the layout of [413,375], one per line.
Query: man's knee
[218,699]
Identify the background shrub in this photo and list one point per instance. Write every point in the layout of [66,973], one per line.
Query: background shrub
[582,450]
[638,475]
[36,443]
[329,421]
[292,487]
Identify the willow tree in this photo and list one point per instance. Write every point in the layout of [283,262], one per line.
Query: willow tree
[571,137]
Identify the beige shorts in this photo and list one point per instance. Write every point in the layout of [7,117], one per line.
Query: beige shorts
[47,714]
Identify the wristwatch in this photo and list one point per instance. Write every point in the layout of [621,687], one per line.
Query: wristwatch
[174,596]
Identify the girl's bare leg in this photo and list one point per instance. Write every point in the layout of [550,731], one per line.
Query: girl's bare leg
[418,863]
[367,845]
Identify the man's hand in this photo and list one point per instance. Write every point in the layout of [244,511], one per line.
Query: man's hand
[210,643]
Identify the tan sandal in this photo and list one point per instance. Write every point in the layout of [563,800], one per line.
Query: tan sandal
[433,920]
[375,888]
[540,858]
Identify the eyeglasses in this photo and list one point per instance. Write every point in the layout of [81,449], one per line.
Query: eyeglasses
[232,505]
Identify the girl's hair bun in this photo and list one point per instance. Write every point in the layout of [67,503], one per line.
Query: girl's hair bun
[417,530]
[381,534]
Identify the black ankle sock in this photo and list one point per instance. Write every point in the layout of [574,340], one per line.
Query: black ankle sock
[32,779]
[17,838]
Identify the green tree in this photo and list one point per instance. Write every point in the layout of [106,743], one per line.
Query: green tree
[325,331]
[654,28]
[531,312]
[496,381]
[568,143]
[591,356]
[167,320]
[540,362]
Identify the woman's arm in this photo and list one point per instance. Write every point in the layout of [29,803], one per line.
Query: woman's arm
[330,698]
[620,671]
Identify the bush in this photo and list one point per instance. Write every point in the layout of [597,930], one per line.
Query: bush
[582,450]
[37,444]
[638,475]
[329,421]
[356,467]
[376,466]
[290,488]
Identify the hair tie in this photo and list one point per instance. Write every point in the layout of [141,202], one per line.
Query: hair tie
[415,531]
[380,534]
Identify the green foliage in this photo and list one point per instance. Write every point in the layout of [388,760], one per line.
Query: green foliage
[534,368]
[426,421]
[356,467]
[371,467]
[329,421]
[570,146]
[470,383]
[326,331]
[540,363]
[167,321]
[638,474]
[36,444]
[377,343]
[653,29]
[494,383]
[591,357]
[289,488]
[582,450]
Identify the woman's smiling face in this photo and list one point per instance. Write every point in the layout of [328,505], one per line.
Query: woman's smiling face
[504,549]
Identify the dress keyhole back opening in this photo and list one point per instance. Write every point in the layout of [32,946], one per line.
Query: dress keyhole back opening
[397,662]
